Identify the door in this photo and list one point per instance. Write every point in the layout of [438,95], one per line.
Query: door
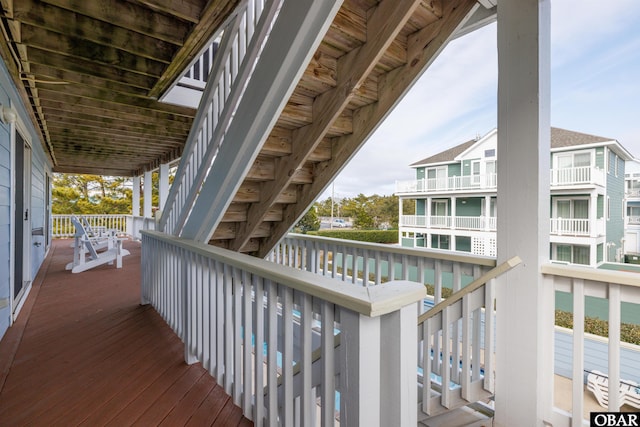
[22,265]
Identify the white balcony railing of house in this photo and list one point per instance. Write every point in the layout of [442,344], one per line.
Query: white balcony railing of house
[288,345]
[476,223]
[197,75]
[570,226]
[454,183]
[583,175]
[614,287]
[633,220]
[633,193]
[233,64]
[61,225]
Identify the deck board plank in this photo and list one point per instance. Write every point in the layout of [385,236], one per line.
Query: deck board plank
[87,353]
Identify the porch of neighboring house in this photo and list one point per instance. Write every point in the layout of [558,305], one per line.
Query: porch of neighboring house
[84,351]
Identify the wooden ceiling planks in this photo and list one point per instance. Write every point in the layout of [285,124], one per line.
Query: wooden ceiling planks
[93,71]
[370,56]
[116,57]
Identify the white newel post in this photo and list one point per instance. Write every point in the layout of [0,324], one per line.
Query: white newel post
[379,357]
[135,197]
[524,360]
[163,185]
[148,202]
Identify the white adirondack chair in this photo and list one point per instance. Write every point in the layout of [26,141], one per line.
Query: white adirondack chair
[85,250]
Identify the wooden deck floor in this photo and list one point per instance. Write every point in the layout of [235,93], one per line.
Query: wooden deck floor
[84,352]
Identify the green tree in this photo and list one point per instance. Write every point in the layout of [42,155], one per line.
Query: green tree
[90,194]
[309,222]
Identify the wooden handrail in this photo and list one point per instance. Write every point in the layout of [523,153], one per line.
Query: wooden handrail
[456,296]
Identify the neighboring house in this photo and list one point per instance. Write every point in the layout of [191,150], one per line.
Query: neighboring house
[455,195]
[632,210]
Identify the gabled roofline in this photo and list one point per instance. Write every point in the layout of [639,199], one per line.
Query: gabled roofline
[478,142]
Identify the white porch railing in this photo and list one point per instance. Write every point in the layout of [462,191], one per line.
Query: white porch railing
[633,193]
[352,261]
[633,220]
[474,223]
[268,334]
[457,346]
[577,176]
[61,225]
[234,62]
[615,287]
[469,324]
[570,226]
[454,183]
[197,75]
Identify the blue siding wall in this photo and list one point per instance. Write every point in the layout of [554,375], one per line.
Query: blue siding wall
[615,194]
[5,226]
[40,165]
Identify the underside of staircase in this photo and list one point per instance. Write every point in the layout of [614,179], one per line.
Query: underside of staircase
[370,56]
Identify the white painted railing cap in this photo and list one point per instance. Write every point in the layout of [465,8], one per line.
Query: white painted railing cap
[369,301]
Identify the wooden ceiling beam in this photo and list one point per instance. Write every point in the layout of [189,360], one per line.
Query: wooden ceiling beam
[81,66]
[212,17]
[188,10]
[392,86]
[74,104]
[96,54]
[160,130]
[97,170]
[45,73]
[130,16]
[63,21]
[84,136]
[112,101]
[383,25]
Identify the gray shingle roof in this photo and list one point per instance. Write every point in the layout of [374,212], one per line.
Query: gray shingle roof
[559,138]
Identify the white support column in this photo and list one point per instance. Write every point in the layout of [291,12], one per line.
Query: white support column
[524,376]
[487,213]
[135,197]
[163,184]
[360,358]
[147,212]
[379,356]
[593,215]
[453,212]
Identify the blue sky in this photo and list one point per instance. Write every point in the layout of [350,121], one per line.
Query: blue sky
[595,89]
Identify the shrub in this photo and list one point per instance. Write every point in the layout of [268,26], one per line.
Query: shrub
[371,236]
[628,332]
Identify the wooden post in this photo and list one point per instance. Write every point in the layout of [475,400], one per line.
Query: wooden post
[163,184]
[523,210]
[135,197]
[147,187]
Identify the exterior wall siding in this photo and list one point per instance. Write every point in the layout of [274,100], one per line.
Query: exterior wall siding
[454,170]
[40,166]
[615,197]
[600,157]
[472,206]
[5,224]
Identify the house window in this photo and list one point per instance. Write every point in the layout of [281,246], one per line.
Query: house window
[490,153]
[615,160]
[573,254]
[437,178]
[608,209]
[573,160]
[439,208]
[475,172]
[572,208]
[440,241]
